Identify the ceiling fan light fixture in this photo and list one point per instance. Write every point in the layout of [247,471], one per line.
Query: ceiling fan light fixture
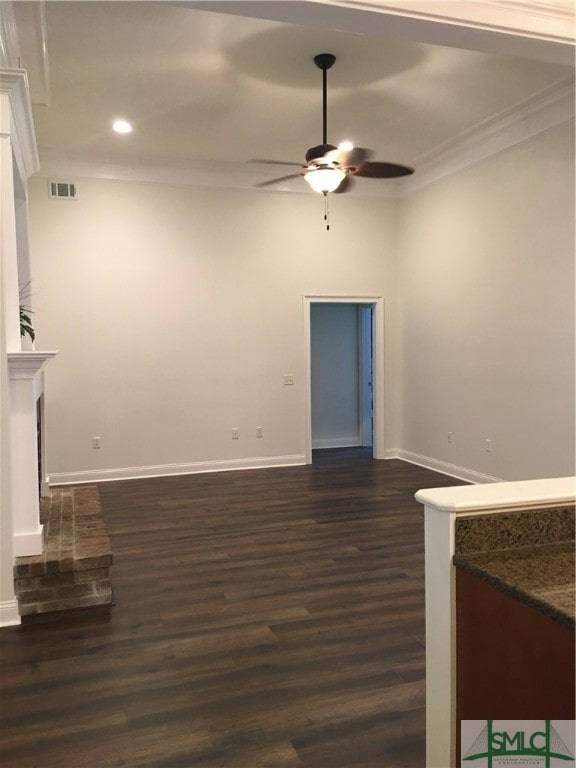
[325,180]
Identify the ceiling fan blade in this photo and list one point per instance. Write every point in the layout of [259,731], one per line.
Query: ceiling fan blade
[278,180]
[330,160]
[274,162]
[376,170]
[345,185]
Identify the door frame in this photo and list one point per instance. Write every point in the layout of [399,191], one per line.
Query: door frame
[377,303]
[366,373]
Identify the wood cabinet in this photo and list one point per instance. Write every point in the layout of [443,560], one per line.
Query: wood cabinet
[513,661]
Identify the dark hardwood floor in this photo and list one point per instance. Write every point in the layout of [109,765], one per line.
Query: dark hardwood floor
[264,618]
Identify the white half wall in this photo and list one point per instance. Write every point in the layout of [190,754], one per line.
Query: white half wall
[486,261]
[178,310]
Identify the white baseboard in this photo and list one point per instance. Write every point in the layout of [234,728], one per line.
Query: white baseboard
[336,442]
[453,470]
[165,470]
[9,615]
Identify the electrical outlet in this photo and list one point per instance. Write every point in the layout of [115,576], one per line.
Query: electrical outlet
[235,433]
[288,379]
[449,437]
[259,431]
[95,443]
[488,446]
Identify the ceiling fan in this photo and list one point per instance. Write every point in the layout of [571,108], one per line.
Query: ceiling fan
[329,168]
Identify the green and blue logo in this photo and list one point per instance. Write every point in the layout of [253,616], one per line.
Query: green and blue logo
[531,745]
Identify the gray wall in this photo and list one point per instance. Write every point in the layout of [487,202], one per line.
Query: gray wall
[178,311]
[487,275]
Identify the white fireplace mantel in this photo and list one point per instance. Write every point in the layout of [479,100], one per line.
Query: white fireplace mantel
[26,377]
[26,364]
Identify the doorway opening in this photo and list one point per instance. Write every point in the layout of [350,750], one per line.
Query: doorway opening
[344,338]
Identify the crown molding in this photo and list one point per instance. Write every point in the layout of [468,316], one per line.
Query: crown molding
[31,26]
[557,10]
[539,20]
[533,116]
[529,29]
[62,165]
[9,45]
[14,85]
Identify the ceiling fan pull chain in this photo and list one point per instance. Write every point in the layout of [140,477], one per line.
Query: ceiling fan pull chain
[326,211]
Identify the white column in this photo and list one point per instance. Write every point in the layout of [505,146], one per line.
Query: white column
[26,384]
[442,507]
[19,511]
[440,638]
[9,341]
[8,249]
[8,604]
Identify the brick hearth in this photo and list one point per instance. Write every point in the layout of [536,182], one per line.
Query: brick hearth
[73,570]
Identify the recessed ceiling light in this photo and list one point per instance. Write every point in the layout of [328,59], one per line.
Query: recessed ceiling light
[122,126]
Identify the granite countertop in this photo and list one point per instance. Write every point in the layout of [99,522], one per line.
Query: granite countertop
[541,576]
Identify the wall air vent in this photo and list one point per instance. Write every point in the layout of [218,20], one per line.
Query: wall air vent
[63,190]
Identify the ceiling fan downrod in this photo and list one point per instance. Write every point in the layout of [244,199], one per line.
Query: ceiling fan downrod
[324,61]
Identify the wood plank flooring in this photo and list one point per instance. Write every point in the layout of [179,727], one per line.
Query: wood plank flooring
[264,619]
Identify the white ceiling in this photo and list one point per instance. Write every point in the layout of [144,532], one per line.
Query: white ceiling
[208,88]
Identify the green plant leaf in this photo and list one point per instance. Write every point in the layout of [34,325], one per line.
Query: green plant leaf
[26,323]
